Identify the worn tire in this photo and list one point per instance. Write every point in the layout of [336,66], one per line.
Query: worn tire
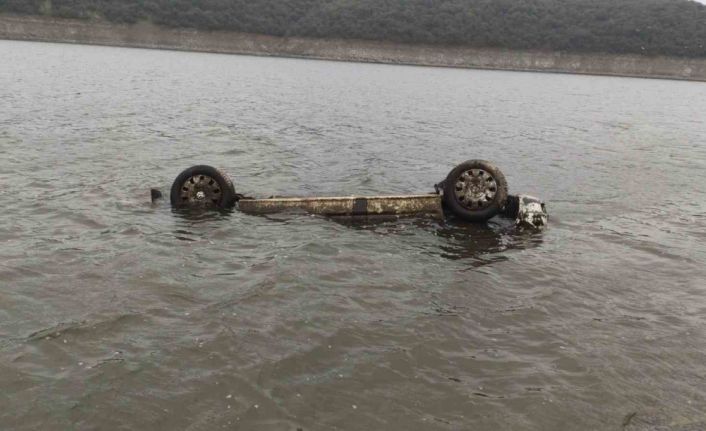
[475,190]
[215,186]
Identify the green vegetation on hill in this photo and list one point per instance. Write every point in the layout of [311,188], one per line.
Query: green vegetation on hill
[649,27]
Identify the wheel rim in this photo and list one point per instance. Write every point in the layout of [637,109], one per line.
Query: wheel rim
[475,189]
[201,190]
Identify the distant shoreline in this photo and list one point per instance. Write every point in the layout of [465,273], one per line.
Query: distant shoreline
[145,35]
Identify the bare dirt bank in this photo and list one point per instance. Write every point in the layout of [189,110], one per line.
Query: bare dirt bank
[146,35]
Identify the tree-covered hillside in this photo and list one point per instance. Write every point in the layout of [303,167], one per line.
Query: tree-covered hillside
[650,27]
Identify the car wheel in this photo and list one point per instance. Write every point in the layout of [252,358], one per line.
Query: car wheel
[475,190]
[203,186]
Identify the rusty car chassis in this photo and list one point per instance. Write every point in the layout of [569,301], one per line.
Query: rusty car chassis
[474,191]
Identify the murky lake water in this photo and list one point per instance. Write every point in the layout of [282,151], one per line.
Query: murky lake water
[116,314]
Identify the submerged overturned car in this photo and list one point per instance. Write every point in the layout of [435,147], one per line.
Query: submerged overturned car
[473,191]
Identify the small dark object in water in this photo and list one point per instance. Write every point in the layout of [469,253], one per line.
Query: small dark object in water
[156,195]
[628,418]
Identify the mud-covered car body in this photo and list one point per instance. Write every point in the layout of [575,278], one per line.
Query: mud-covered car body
[474,191]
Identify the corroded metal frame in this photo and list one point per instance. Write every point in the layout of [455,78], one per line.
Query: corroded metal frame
[429,204]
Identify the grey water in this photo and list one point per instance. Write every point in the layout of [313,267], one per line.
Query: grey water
[119,314]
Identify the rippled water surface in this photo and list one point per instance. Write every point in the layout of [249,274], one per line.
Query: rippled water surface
[117,314]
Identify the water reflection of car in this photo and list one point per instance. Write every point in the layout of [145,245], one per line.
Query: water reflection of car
[478,243]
